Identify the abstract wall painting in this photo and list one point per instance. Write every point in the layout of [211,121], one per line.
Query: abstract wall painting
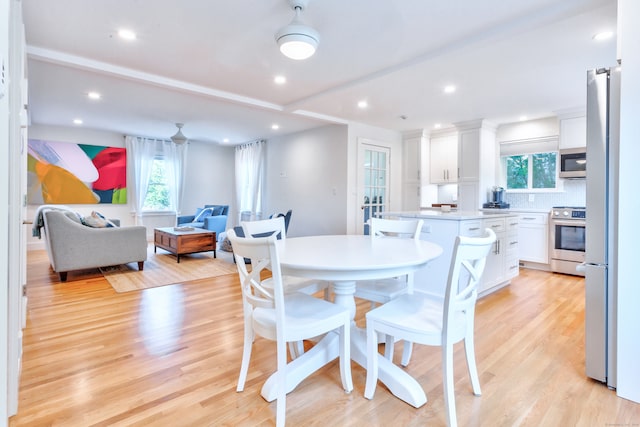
[68,173]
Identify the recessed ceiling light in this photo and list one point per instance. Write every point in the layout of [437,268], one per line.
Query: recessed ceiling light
[226,140]
[523,118]
[275,126]
[437,126]
[126,34]
[605,35]
[77,121]
[449,89]
[362,104]
[94,95]
[280,80]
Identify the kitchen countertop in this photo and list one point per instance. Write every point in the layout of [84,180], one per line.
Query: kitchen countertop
[453,215]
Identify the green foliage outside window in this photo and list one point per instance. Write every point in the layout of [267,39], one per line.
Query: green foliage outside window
[157,198]
[529,171]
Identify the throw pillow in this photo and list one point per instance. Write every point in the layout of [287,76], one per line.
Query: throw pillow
[97,220]
[217,210]
[203,214]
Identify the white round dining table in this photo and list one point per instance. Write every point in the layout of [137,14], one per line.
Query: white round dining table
[343,260]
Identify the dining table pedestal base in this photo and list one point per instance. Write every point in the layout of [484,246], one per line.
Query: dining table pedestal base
[398,381]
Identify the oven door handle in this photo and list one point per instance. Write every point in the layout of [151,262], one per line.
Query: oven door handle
[569,222]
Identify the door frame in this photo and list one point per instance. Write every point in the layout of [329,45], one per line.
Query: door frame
[363,144]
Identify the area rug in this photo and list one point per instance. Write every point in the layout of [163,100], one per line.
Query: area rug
[161,269]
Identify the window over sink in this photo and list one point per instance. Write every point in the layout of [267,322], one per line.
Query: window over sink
[531,171]
[530,164]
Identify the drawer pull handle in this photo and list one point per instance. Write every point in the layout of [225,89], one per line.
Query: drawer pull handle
[474,228]
[495,226]
[528,218]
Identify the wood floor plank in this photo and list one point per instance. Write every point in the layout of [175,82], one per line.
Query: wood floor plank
[170,356]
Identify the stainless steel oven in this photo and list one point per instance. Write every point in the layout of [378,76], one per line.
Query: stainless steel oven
[567,226]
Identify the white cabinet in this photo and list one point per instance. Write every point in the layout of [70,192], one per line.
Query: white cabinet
[533,233]
[502,262]
[511,246]
[494,268]
[411,172]
[443,162]
[433,278]
[573,132]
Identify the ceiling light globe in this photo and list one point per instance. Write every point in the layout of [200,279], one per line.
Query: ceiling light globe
[297,41]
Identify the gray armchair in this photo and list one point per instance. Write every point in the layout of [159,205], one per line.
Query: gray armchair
[72,245]
[209,217]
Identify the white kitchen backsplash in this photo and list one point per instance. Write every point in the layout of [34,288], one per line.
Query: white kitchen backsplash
[573,194]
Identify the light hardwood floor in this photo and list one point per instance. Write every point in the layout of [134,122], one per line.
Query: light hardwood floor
[170,356]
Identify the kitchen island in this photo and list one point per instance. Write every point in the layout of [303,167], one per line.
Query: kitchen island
[442,228]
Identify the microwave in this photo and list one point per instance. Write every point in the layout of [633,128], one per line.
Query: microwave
[573,163]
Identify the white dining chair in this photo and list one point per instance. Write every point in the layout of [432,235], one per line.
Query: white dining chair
[384,290]
[266,227]
[277,226]
[426,319]
[280,317]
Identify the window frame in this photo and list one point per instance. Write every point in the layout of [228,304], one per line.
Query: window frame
[529,188]
[166,184]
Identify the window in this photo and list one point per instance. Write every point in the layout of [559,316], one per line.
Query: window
[157,198]
[531,171]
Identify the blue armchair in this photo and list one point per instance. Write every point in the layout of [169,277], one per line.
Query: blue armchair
[209,217]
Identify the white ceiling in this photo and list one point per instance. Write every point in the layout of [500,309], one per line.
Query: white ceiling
[210,64]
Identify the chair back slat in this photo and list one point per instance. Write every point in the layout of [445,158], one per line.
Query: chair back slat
[381,227]
[265,227]
[264,262]
[467,265]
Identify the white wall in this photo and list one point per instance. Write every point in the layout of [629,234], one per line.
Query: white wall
[210,178]
[307,173]
[629,203]
[4,219]
[393,140]
[540,128]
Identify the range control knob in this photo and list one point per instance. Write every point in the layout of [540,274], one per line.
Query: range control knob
[565,213]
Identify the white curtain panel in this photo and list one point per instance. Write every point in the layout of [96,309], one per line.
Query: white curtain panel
[250,177]
[141,152]
[176,166]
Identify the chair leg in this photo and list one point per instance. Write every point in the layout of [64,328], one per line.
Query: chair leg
[296,349]
[345,358]
[447,381]
[246,357]
[407,350]
[372,360]
[281,402]
[389,346]
[469,349]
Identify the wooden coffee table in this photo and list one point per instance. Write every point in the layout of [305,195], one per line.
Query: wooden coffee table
[184,242]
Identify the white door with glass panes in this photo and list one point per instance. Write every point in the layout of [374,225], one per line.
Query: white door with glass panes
[373,182]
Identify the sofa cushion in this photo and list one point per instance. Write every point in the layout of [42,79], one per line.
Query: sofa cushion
[97,220]
[201,214]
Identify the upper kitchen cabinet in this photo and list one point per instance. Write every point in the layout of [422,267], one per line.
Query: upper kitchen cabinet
[443,164]
[413,155]
[476,162]
[573,132]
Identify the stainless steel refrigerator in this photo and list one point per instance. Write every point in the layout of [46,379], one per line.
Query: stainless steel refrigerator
[603,118]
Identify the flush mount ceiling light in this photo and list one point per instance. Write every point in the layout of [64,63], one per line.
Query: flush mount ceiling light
[179,138]
[297,40]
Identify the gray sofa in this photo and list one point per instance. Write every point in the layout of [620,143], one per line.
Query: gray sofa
[72,245]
